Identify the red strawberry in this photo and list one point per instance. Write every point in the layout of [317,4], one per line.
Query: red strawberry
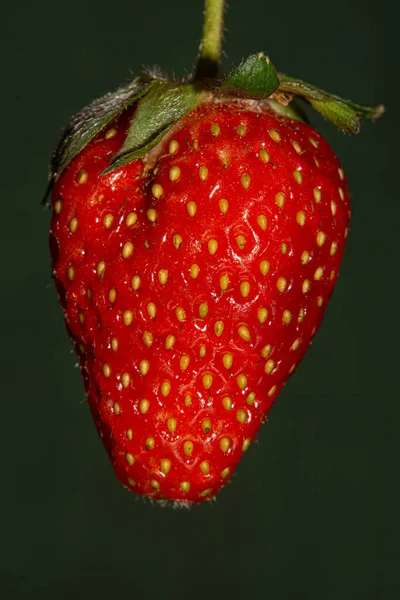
[193,279]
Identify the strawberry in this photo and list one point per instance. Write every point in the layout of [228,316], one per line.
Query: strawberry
[194,260]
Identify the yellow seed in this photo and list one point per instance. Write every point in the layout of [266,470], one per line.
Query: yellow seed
[341,193]
[280,199]
[245,181]
[73,225]
[165,388]
[194,271]
[212,246]
[250,398]
[157,190]
[144,367]
[58,206]
[305,257]
[144,406]
[241,241]
[203,173]
[171,424]
[224,282]
[264,267]
[321,238]
[126,380]
[152,215]
[297,176]
[262,314]
[180,314]
[301,218]
[130,459]
[89,294]
[114,344]
[205,492]
[155,485]
[244,333]
[191,208]
[274,135]
[202,351]
[112,295]
[215,129]
[266,351]
[129,434]
[184,362]
[333,208]
[151,310]
[195,144]
[223,206]
[286,317]
[341,173]
[272,391]
[163,276]
[127,250]
[81,318]
[218,328]
[241,129]
[263,155]
[185,486]
[269,366]
[227,360]
[319,273]
[320,301]
[332,275]
[281,284]
[188,400]
[296,146]
[317,195]
[302,314]
[283,248]
[177,241]
[174,173]
[241,380]
[106,370]
[246,444]
[131,481]
[334,247]
[241,416]
[101,268]
[108,221]
[110,133]
[227,403]
[225,444]
[245,288]
[128,317]
[207,380]
[136,281]
[205,467]
[149,444]
[313,142]
[206,425]
[306,286]
[203,310]
[173,147]
[262,222]
[225,473]
[170,341]
[188,448]
[82,176]
[165,466]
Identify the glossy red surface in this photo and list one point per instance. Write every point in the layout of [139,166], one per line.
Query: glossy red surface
[302,239]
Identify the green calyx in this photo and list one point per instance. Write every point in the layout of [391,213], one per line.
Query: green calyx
[161,103]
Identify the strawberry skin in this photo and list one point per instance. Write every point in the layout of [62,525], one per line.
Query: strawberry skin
[193,282]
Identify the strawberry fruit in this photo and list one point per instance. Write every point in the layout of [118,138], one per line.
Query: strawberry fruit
[196,238]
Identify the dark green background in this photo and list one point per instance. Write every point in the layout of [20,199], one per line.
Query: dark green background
[312,512]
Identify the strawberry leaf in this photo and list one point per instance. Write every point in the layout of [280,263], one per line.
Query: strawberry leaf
[86,124]
[161,107]
[255,77]
[343,113]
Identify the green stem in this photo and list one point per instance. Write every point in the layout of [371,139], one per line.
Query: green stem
[210,47]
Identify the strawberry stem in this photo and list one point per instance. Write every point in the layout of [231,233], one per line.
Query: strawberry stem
[210,47]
